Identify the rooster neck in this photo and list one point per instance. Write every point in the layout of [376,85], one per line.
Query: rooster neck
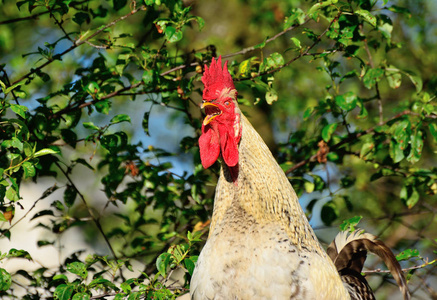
[260,191]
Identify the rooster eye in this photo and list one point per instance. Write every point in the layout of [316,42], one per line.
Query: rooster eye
[227,103]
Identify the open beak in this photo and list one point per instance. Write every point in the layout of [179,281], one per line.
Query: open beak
[211,111]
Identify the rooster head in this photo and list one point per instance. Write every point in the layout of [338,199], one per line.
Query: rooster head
[221,128]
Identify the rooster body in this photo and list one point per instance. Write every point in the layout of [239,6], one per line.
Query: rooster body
[260,244]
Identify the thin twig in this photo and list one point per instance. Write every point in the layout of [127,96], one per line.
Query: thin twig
[346,140]
[59,23]
[304,53]
[35,16]
[378,95]
[404,270]
[244,51]
[91,213]
[79,42]
[46,193]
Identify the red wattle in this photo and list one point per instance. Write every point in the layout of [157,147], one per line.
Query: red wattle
[209,147]
[229,148]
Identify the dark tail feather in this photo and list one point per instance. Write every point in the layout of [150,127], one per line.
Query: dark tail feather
[348,252]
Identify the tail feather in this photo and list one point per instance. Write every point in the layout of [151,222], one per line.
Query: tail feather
[349,251]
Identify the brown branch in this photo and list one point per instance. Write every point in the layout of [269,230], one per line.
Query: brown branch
[91,213]
[35,16]
[404,270]
[46,193]
[59,23]
[249,49]
[347,140]
[304,53]
[244,51]
[79,42]
[378,95]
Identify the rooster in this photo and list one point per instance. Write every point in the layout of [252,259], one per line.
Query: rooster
[260,244]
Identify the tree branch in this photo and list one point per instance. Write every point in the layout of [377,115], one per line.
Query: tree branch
[35,16]
[244,51]
[404,270]
[91,213]
[347,140]
[79,42]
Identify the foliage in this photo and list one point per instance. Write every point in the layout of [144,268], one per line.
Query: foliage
[357,78]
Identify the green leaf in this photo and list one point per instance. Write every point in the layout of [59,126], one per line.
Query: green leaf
[93,88]
[367,150]
[78,268]
[64,292]
[44,243]
[385,26]
[12,87]
[103,106]
[81,296]
[393,76]
[19,253]
[296,42]
[367,16]
[103,283]
[350,224]
[416,143]
[396,153]
[45,212]
[16,143]
[261,45]
[81,17]
[363,111]
[318,6]
[413,199]
[415,79]
[398,9]
[12,194]
[5,280]
[162,263]
[70,195]
[29,169]
[45,151]
[19,110]
[372,77]
[90,125]
[145,122]
[308,112]
[148,76]
[62,277]
[69,136]
[297,17]
[328,130]
[407,254]
[200,21]
[401,133]
[271,96]
[309,186]
[329,213]
[172,34]
[189,264]
[277,59]
[409,195]
[347,101]
[2,217]
[244,67]
[120,118]
[433,130]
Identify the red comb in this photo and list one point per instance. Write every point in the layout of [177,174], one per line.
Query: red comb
[216,79]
